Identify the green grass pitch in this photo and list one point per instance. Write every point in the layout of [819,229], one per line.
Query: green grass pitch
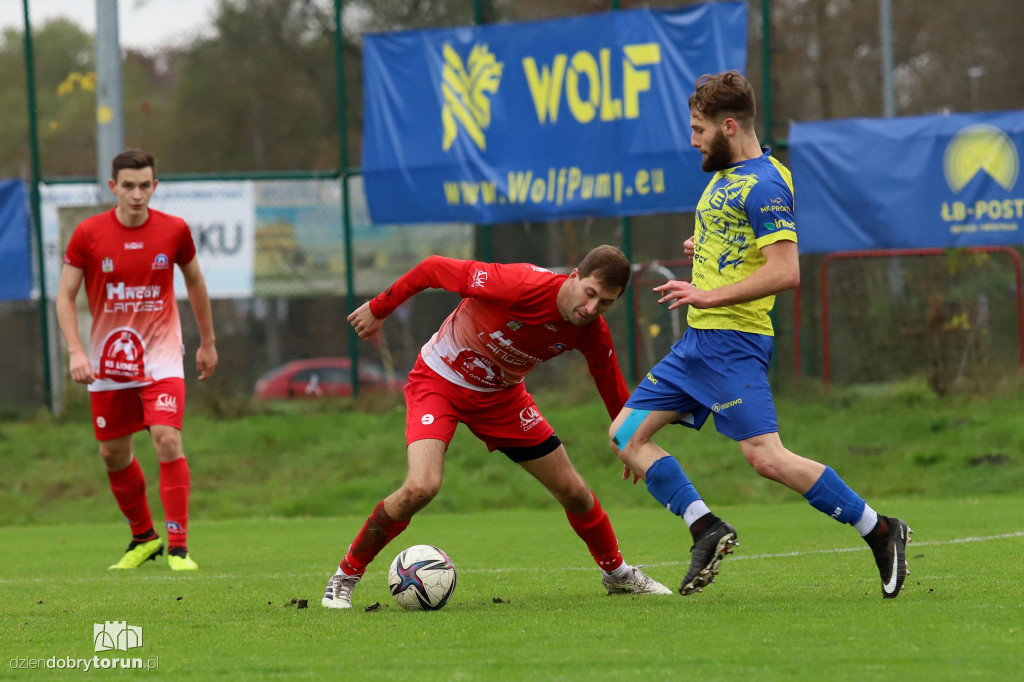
[799,600]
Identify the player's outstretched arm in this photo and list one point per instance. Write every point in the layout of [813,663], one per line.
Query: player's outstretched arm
[365,322]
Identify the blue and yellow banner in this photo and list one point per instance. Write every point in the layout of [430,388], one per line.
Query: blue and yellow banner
[563,118]
[942,181]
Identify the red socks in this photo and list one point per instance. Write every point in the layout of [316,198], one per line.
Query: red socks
[595,529]
[129,488]
[174,487]
[376,533]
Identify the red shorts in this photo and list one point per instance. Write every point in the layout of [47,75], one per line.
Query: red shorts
[501,419]
[125,411]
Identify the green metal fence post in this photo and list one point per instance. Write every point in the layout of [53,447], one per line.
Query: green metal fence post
[766,70]
[486,244]
[346,204]
[627,249]
[33,135]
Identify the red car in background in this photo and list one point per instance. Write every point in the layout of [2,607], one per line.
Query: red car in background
[321,378]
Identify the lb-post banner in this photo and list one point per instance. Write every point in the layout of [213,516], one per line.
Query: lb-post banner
[938,181]
[15,243]
[564,118]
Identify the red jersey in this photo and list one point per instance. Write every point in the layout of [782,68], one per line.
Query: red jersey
[129,282]
[507,322]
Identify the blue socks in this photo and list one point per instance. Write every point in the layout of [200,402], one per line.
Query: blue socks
[669,485]
[831,496]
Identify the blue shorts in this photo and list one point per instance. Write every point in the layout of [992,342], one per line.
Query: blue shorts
[718,371]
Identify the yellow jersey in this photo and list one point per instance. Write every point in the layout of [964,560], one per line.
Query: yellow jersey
[744,208]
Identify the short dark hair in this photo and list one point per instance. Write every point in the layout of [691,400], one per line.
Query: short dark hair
[609,265]
[132,158]
[721,95]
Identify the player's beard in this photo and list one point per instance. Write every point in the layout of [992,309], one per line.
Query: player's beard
[719,154]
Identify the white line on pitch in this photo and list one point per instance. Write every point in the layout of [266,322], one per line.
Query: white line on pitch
[782,555]
[735,557]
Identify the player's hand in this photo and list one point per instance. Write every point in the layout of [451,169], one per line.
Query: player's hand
[626,472]
[81,367]
[364,321]
[682,293]
[688,247]
[206,360]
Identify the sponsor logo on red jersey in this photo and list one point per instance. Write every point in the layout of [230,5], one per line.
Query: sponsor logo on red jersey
[123,356]
[477,369]
[479,279]
[133,246]
[125,299]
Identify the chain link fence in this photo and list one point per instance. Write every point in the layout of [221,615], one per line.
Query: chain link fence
[248,87]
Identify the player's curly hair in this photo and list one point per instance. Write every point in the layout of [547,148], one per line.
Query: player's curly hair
[132,158]
[609,265]
[723,95]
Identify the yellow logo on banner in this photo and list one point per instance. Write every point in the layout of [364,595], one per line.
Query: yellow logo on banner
[467,89]
[981,148]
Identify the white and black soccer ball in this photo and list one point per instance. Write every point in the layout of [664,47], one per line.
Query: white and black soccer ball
[422,578]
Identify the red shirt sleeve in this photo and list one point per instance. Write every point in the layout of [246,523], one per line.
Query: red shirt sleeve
[76,251]
[435,272]
[604,367]
[187,246]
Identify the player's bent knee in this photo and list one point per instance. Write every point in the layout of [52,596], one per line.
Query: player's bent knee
[762,466]
[116,460]
[765,462]
[576,499]
[419,494]
[167,445]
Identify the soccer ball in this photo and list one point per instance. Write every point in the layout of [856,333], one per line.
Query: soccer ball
[422,578]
